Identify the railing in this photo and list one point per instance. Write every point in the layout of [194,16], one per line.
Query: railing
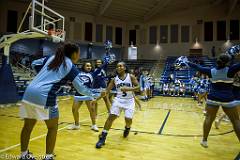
[25,69]
[156,70]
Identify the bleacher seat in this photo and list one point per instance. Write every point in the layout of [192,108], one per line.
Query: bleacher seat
[184,75]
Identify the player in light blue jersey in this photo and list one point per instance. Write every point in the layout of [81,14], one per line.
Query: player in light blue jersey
[87,75]
[40,99]
[221,93]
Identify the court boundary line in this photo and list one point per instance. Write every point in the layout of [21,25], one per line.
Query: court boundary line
[164,122]
[180,110]
[163,134]
[145,132]
[43,135]
[134,131]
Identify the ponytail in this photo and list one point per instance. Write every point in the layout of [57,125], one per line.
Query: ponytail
[63,50]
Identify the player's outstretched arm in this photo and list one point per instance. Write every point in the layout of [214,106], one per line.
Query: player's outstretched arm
[199,68]
[38,64]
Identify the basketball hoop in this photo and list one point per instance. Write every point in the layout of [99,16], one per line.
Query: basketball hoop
[56,34]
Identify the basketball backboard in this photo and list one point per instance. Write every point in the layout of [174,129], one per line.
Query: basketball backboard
[45,20]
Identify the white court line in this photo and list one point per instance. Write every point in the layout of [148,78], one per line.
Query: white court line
[41,136]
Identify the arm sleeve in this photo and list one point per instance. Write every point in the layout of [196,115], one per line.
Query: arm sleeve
[233,70]
[105,67]
[203,70]
[38,64]
[78,84]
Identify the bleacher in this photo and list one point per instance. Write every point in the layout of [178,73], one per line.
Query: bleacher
[23,76]
[185,74]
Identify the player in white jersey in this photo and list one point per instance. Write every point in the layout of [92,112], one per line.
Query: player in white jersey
[125,84]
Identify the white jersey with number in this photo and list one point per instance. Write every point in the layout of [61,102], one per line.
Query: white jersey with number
[124,101]
[119,83]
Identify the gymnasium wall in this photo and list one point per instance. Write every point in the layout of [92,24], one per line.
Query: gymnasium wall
[34,46]
[26,46]
[187,17]
[194,18]
[75,31]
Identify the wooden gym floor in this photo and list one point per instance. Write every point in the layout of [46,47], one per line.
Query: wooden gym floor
[167,128]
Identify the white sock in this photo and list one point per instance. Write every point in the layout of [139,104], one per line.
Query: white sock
[49,155]
[105,131]
[204,143]
[24,153]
